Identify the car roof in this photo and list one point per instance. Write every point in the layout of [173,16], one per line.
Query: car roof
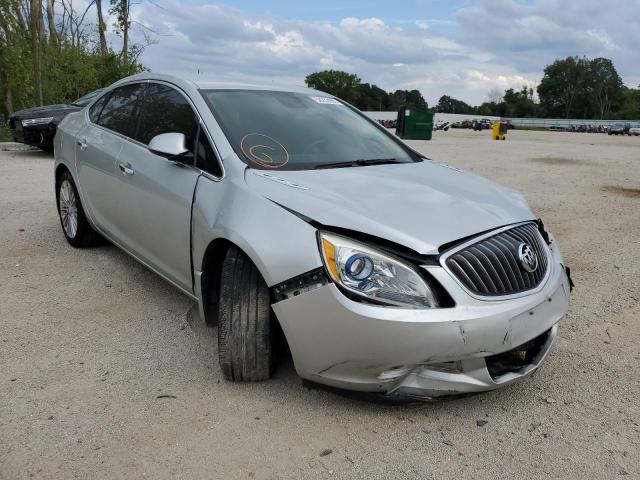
[208,83]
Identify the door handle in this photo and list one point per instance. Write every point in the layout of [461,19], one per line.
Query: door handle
[125,168]
[82,144]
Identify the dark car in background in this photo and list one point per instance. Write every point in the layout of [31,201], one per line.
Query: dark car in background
[616,129]
[37,126]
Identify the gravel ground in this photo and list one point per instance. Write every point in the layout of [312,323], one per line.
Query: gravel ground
[105,372]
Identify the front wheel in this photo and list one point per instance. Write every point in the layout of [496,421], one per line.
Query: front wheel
[74,222]
[245,321]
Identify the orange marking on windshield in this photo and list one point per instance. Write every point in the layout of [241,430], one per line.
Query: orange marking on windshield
[264,159]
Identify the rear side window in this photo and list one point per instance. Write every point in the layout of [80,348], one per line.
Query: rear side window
[165,110]
[205,157]
[120,113]
[96,108]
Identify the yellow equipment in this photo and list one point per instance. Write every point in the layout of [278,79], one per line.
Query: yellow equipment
[499,130]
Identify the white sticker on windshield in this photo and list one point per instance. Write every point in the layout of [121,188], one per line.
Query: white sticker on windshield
[326,100]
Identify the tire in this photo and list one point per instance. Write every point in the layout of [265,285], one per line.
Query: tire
[73,220]
[245,321]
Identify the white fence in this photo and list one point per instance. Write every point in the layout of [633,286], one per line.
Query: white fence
[439,117]
[566,122]
[524,122]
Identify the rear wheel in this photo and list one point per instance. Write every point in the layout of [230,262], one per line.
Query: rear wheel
[245,321]
[74,223]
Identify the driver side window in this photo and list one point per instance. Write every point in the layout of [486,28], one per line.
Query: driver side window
[165,110]
[120,112]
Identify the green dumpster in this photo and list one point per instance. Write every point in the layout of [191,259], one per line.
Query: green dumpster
[414,123]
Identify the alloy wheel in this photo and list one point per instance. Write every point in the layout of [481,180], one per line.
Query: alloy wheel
[68,208]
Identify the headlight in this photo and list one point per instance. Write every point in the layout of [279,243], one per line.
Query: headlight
[30,122]
[372,274]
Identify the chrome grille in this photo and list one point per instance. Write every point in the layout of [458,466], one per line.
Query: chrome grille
[491,267]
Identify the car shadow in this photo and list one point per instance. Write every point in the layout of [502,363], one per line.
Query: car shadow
[26,153]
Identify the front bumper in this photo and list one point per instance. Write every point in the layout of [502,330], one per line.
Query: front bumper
[424,354]
[37,135]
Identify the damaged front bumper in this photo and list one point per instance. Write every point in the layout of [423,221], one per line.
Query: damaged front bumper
[37,136]
[476,346]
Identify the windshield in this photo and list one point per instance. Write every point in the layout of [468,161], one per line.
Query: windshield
[295,131]
[82,101]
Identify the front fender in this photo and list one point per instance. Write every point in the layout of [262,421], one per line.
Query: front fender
[279,243]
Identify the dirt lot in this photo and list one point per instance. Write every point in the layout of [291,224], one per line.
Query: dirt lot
[90,341]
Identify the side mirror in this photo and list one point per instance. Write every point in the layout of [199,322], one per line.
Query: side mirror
[172,146]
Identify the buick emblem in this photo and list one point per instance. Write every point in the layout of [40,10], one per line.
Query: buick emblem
[528,258]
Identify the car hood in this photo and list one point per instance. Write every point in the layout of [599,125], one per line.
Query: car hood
[419,205]
[56,111]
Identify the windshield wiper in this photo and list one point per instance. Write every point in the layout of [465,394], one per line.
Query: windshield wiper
[358,163]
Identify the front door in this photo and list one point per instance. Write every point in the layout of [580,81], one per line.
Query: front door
[159,192]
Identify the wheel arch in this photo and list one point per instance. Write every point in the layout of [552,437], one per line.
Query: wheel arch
[210,269]
[210,283]
[60,169]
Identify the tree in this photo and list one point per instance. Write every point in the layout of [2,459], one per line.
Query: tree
[335,82]
[121,9]
[627,107]
[603,84]
[519,104]
[494,96]
[50,57]
[492,109]
[51,21]
[372,98]
[580,88]
[102,28]
[364,96]
[414,97]
[35,32]
[448,104]
[562,83]
[407,97]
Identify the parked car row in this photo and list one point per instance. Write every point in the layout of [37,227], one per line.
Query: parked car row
[388,123]
[478,124]
[615,129]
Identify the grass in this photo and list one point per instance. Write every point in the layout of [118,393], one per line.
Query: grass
[5,135]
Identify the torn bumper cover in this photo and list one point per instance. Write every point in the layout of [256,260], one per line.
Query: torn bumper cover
[476,346]
[37,136]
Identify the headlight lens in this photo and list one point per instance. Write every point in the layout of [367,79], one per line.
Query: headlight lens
[375,275]
[29,122]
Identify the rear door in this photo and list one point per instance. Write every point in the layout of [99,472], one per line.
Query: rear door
[159,192]
[111,119]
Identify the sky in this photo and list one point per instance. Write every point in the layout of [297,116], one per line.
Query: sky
[459,48]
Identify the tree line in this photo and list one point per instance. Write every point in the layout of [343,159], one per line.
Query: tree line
[574,87]
[51,53]
[363,96]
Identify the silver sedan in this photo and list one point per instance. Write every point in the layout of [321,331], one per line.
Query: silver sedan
[296,222]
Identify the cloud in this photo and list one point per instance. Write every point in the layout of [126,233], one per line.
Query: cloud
[530,35]
[490,44]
